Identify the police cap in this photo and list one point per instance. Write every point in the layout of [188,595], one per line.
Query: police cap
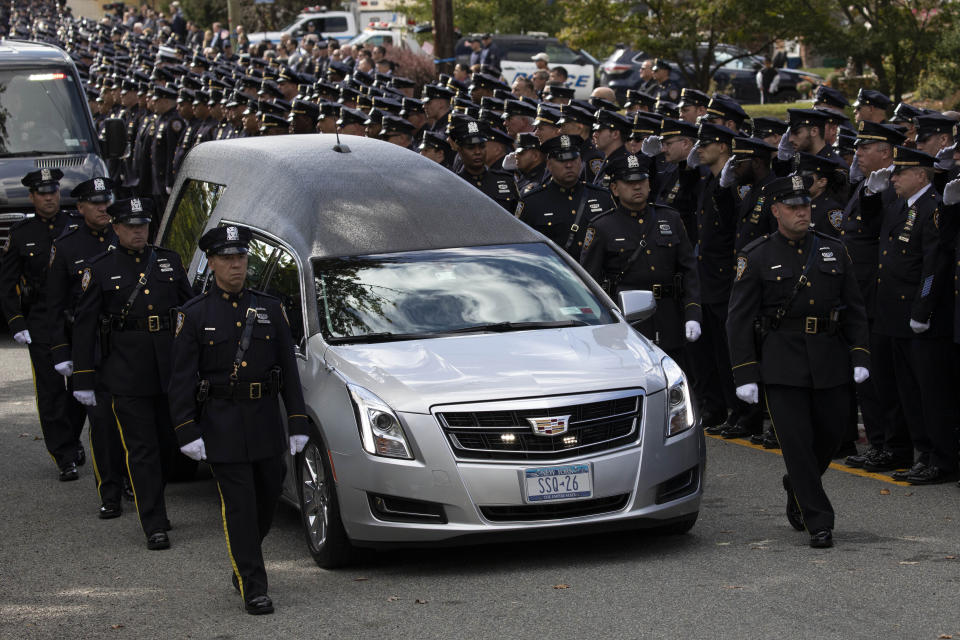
[226,240]
[906,113]
[97,189]
[872,98]
[559,91]
[562,147]
[932,124]
[465,130]
[434,140]
[518,108]
[547,114]
[709,132]
[305,108]
[807,118]
[639,99]
[573,113]
[764,126]
[791,190]
[131,211]
[600,103]
[350,116]
[829,96]
[527,140]
[395,126]
[437,92]
[667,109]
[670,128]
[605,119]
[644,125]
[745,148]
[410,105]
[630,168]
[904,158]
[693,98]
[869,132]
[43,180]
[727,108]
[824,166]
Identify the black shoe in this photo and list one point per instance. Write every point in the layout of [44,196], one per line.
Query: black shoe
[770,440]
[736,431]
[932,475]
[794,517]
[903,474]
[718,429]
[259,605]
[110,510]
[886,461]
[711,419]
[821,539]
[81,455]
[128,490]
[68,472]
[857,461]
[234,581]
[758,438]
[158,540]
[846,449]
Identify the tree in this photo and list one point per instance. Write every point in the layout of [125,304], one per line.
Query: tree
[494,16]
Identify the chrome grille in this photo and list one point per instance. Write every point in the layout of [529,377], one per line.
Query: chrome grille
[56,163]
[598,422]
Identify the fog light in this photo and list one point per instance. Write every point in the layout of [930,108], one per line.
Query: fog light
[508,438]
[569,440]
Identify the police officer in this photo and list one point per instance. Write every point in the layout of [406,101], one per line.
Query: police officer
[23,275]
[645,246]
[610,132]
[125,304]
[826,212]
[576,121]
[799,287]
[531,172]
[67,262]
[563,208]
[234,356]
[871,106]
[666,88]
[468,135]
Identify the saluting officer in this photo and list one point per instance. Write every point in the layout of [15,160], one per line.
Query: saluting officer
[645,246]
[23,274]
[799,287]
[125,304]
[68,259]
[565,205]
[234,355]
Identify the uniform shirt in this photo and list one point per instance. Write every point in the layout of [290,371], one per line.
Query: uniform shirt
[495,184]
[534,179]
[669,91]
[914,270]
[767,271]
[552,210]
[68,259]
[23,270]
[665,263]
[208,330]
[137,362]
[677,186]
[754,218]
[861,235]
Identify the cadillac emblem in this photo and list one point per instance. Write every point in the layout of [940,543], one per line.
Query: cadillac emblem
[552,426]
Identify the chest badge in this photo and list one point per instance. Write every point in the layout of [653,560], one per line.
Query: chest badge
[741,266]
[85,279]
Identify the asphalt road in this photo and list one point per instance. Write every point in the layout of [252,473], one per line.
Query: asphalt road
[742,572]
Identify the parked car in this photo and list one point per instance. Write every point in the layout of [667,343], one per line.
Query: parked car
[341,25]
[465,379]
[517,51]
[737,75]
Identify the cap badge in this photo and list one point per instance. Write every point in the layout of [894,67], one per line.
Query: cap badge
[632,162]
[472,127]
[136,206]
[232,234]
[797,183]
[45,174]
[564,142]
[98,184]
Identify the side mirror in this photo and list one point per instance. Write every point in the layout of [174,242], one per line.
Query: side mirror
[637,306]
[114,138]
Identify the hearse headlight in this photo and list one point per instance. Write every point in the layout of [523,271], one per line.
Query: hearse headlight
[679,398]
[380,430]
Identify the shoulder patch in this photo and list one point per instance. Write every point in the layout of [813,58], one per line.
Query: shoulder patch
[180,319]
[588,238]
[595,165]
[836,218]
[936,217]
[741,266]
[519,209]
[53,252]
[85,279]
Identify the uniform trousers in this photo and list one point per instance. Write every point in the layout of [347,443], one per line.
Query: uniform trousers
[809,423]
[249,493]
[924,373]
[718,358]
[883,419]
[144,426]
[61,416]
[106,450]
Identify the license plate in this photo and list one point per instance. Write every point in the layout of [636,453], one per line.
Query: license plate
[567,482]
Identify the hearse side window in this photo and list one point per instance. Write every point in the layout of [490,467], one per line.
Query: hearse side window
[260,256]
[284,283]
[195,204]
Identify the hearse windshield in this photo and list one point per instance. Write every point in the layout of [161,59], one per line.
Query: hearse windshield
[42,113]
[437,293]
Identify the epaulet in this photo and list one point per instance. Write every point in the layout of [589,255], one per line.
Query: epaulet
[824,236]
[193,301]
[596,187]
[501,172]
[66,232]
[658,207]
[602,214]
[756,243]
[537,189]
[23,222]
[262,294]
[165,251]
[98,257]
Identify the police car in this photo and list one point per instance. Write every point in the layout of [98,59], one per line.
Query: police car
[517,51]
[464,378]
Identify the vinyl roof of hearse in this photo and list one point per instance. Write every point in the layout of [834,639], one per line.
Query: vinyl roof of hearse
[378,198]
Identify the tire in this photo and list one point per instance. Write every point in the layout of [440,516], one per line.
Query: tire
[679,526]
[326,538]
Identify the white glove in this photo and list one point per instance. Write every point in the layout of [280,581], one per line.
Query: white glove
[651,146]
[726,174]
[879,180]
[297,443]
[693,158]
[919,327]
[785,150]
[86,398]
[64,368]
[195,450]
[860,374]
[856,175]
[951,192]
[693,330]
[749,393]
[945,158]
[23,337]
[510,161]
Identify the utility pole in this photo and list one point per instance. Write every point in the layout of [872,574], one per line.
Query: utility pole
[443,37]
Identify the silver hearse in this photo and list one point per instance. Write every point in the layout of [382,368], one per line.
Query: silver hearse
[466,380]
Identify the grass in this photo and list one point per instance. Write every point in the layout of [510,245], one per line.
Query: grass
[775,109]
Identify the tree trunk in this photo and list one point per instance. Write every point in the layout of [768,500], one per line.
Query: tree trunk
[443,36]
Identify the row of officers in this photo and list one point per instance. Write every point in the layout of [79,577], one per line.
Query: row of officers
[117,337]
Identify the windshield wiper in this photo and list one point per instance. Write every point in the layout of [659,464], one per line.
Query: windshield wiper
[23,154]
[503,327]
[382,336]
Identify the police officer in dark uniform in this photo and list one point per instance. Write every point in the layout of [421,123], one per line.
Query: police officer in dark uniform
[531,172]
[468,135]
[125,304]
[610,132]
[749,169]
[799,287]
[23,275]
[645,246]
[233,357]
[563,208]
[666,88]
[826,213]
[68,260]
[163,148]
[576,121]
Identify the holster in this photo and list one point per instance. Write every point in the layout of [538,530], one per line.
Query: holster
[203,392]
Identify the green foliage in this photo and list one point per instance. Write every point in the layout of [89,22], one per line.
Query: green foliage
[494,16]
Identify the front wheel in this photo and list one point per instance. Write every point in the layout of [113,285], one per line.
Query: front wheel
[327,540]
